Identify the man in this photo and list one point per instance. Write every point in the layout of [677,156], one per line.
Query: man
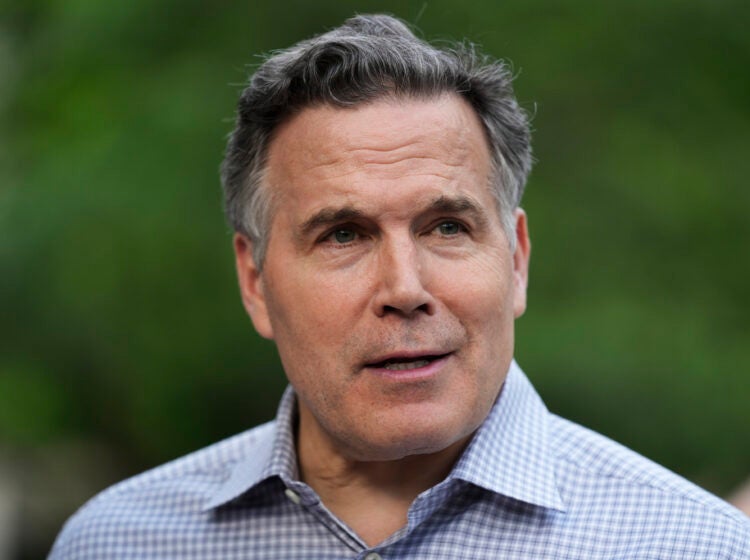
[374,183]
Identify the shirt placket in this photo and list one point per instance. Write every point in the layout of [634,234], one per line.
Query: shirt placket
[305,497]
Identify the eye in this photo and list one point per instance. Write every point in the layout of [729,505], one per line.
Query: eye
[342,236]
[450,228]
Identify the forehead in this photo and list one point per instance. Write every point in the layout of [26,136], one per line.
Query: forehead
[390,145]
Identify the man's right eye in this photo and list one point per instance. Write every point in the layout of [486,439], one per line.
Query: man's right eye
[342,236]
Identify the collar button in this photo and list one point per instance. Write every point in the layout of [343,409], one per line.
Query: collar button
[293,496]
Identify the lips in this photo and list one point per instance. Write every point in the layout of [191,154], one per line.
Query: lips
[403,363]
[411,364]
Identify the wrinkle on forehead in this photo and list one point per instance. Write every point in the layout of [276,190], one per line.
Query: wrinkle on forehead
[411,167]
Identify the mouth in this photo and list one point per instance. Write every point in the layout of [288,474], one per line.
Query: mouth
[405,363]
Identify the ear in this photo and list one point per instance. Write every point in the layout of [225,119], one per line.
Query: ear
[251,286]
[521,263]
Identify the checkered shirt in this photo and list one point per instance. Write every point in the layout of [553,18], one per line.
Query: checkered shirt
[530,485]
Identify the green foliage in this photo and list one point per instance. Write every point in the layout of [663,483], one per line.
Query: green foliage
[34,405]
[121,319]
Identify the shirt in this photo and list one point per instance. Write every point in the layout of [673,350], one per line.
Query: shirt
[529,485]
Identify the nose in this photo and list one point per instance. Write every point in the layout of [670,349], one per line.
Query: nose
[401,275]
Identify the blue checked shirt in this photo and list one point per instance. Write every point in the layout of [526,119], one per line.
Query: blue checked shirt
[530,485]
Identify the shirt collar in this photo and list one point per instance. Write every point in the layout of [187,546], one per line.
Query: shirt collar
[273,454]
[510,453]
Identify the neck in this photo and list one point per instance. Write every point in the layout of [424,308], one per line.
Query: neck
[371,497]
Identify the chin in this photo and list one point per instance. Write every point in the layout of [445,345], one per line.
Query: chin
[399,444]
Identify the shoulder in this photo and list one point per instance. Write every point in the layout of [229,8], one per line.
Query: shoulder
[601,479]
[172,494]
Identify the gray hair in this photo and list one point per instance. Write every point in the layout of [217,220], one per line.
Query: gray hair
[367,58]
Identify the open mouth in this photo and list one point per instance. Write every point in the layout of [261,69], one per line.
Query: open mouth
[401,364]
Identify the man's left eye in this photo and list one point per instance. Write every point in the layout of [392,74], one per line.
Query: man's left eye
[343,236]
[450,228]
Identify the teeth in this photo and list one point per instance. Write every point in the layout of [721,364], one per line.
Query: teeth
[398,366]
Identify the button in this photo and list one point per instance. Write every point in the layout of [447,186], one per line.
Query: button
[373,556]
[293,496]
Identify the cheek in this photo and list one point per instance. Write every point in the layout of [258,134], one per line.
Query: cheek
[482,292]
[312,315]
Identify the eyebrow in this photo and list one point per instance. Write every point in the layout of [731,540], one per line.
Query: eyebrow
[329,216]
[460,205]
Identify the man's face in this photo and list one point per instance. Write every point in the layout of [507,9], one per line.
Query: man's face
[388,286]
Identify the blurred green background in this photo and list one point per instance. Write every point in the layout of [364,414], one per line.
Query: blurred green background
[124,343]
